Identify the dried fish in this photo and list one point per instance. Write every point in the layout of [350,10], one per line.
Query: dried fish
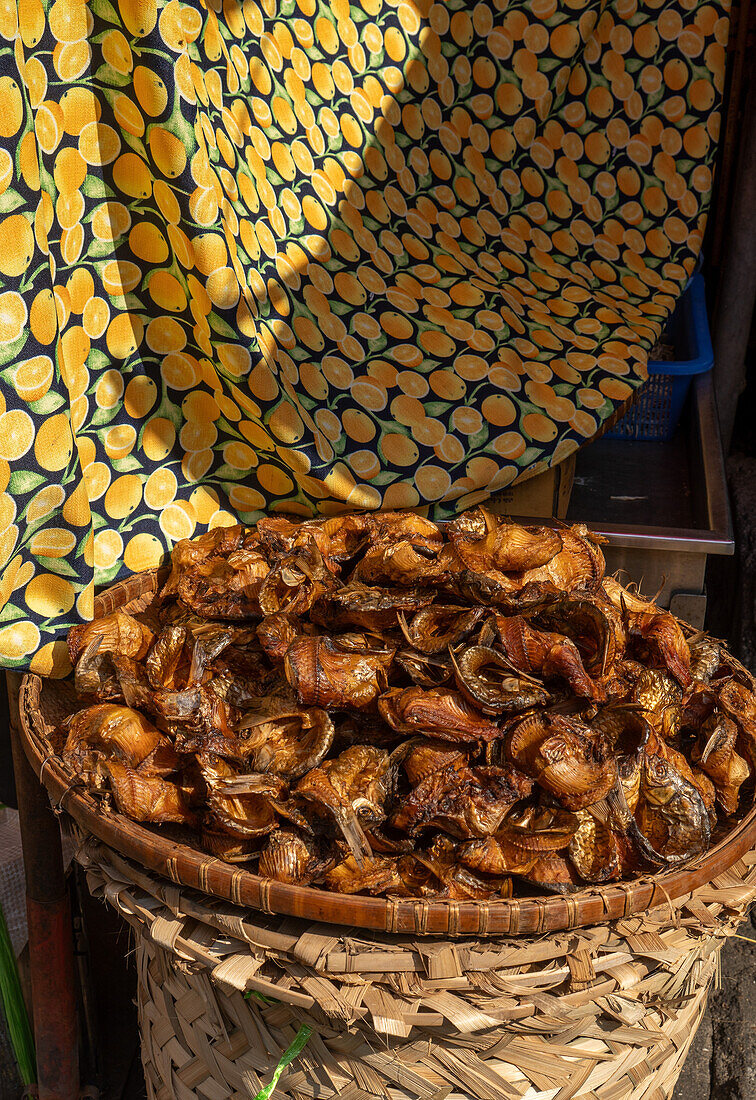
[594,626]
[368,607]
[550,655]
[554,872]
[147,798]
[291,856]
[566,757]
[705,658]
[288,743]
[353,789]
[239,805]
[594,850]
[455,881]
[91,647]
[376,875]
[488,681]
[714,752]
[377,704]
[437,713]
[346,671]
[539,829]
[461,800]
[424,671]
[484,542]
[496,855]
[671,814]
[120,734]
[295,583]
[434,629]
[578,567]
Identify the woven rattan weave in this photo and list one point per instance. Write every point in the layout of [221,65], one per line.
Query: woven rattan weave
[606,1013]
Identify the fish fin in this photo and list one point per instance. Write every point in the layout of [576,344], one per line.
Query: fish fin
[354,834]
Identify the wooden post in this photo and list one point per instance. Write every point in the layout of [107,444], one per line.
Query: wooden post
[50,934]
[737,288]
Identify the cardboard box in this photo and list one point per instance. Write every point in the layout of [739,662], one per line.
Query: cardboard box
[545,496]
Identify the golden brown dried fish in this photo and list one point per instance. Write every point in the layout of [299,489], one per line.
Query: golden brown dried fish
[147,798]
[291,856]
[460,800]
[436,713]
[201,720]
[231,849]
[424,671]
[659,699]
[484,542]
[296,582]
[206,643]
[579,565]
[487,680]
[551,655]
[496,855]
[454,880]
[402,548]
[353,789]
[566,758]
[109,732]
[225,587]
[338,538]
[92,645]
[705,657]
[368,607]
[376,875]
[661,633]
[435,628]
[423,757]
[497,590]
[714,752]
[276,633]
[540,829]
[347,671]
[616,765]
[188,554]
[671,814]
[239,805]
[135,687]
[594,850]
[659,630]
[739,703]
[288,743]
[554,872]
[166,656]
[593,624]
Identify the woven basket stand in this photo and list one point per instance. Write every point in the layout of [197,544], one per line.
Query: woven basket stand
[606,1013]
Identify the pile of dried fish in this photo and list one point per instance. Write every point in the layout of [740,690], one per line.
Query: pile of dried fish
[376,705]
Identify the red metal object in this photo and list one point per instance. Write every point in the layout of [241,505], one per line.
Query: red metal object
[50,934]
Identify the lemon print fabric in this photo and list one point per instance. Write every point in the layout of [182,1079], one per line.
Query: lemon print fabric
[307,255]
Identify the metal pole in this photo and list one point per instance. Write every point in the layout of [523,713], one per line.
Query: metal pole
[50,936]
[737,289]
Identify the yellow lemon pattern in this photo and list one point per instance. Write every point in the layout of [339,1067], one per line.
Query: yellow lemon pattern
[313,255]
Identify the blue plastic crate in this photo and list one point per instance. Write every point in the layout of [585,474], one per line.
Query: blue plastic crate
[656,413]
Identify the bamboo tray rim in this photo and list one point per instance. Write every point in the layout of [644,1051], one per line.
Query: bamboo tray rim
[188,866]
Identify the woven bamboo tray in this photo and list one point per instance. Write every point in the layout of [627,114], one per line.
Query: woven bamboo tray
[44,704]
[607,1013]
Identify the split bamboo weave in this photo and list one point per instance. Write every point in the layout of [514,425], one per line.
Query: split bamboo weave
[606,1013]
